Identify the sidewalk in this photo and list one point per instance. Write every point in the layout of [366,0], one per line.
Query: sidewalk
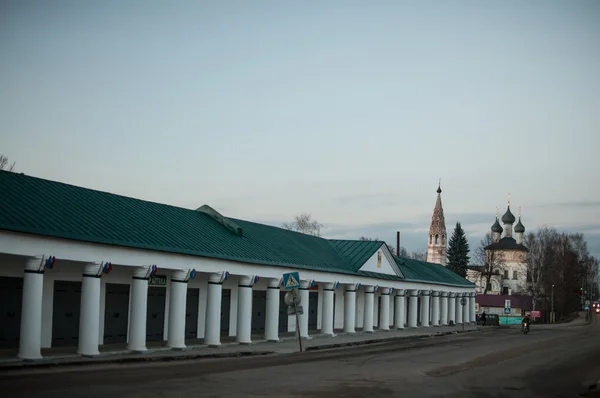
[287,345]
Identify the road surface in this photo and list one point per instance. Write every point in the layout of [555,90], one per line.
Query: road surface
[549,362]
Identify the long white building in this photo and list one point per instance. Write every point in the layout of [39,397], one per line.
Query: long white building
[82,268]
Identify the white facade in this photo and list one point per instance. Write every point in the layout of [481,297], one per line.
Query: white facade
[343,302]
[508,257]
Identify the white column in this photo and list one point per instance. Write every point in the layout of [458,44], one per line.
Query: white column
[244,310]
[368,315]
[304,302]
[139,307]
[384,309]
[89,313]
[435,308]
[444,309]
[413,309]
[399,309]
[212,326]
[472,308]
[425,308]
[452,308]
[272,316]
[459,309]
[30,342]
[177,306]
[327,318]
[350,308]
[465,309]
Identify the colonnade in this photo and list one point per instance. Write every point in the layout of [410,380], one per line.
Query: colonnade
[437,308]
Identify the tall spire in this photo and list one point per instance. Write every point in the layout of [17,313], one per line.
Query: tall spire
[436,240]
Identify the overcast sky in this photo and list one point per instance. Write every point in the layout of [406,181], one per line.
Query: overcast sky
[348,110]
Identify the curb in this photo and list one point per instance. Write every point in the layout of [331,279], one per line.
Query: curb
[137,359]
[383,340]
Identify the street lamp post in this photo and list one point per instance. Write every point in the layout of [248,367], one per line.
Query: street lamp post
[552,306]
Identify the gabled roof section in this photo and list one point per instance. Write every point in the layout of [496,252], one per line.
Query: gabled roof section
[422,271]
[355,252]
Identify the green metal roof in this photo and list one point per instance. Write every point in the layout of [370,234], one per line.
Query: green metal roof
[356,252]
[422,271]
[49,208]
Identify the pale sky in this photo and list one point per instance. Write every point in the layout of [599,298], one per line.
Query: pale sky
[347,110]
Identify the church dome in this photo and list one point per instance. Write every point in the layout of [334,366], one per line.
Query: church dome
[496,227]
[508,217]
[519,228]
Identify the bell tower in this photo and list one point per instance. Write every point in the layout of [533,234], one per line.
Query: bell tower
[436,241]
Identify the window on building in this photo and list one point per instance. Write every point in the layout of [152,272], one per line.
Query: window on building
[430,239]
[515,275]
[489,287]
[504,289]
[437,239]
[505,274]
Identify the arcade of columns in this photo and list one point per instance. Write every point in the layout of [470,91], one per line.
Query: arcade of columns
[446,309]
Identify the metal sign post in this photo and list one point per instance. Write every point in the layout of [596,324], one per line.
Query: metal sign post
[506,310]
[293,299]
[298,326]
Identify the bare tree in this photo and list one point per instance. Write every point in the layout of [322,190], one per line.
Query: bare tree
[4,164]
[538,259]
[419,255]
[561,273]
[390,247]
[304,224]
[492,260]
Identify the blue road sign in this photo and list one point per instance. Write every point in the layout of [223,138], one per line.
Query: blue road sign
[507,310]
[291,280]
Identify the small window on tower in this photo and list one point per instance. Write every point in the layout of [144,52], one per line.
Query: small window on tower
[430,239]
[437,239]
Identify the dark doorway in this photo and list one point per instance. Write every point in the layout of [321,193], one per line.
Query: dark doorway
[259,308]
[334,297]
[11,298]
[155,315]
[65,313]
[313,307]
[225,305]
[191,313]
[116,312]
[283,314]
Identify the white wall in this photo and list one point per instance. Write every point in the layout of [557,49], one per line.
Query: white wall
[385,267]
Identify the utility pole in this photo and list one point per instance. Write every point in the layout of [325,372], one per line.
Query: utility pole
[552,306]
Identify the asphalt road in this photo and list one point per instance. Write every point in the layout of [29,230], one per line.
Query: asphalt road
[548,362]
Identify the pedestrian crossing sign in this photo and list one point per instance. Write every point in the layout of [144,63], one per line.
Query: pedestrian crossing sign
[291,280]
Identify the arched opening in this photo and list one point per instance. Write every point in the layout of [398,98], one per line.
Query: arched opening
[430,239]
[437,239]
